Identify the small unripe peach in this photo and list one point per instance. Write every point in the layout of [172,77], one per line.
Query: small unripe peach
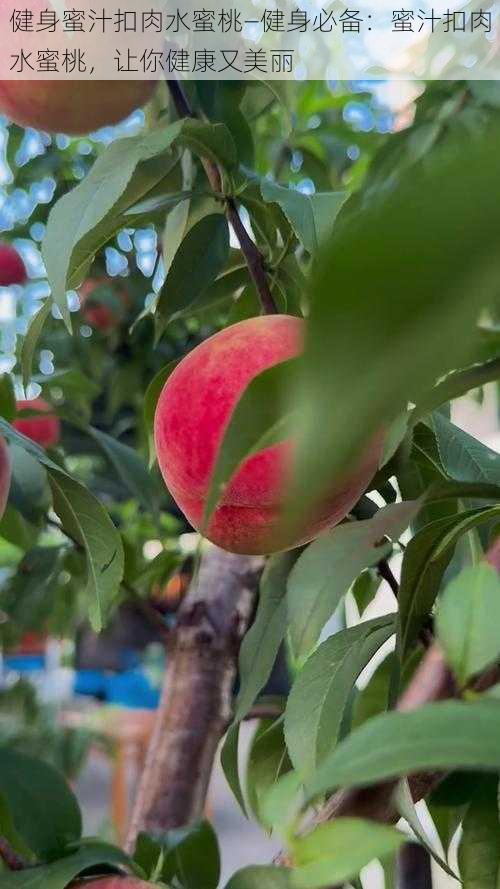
[192,415]
[12,268]
[5,474]
[45,429]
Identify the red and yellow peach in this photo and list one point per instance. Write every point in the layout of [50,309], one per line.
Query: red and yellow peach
[192,415]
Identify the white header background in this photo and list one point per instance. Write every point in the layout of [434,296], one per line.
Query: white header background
[271,39]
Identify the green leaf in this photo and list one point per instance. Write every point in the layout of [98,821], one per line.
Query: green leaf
[7,397]
[435,222]
[15,529]
[154,391]
[463,457]
[267,761]
[441,736]
[200,257]
[129,467]
[457,384]
[186,856]
[281,804]
[321,691]
[9,832]
[261,643]
[467,621]
[365,588]
[406,808]
[84,220]
[230,764]
[337,851]
[30,341]
[151,397]
[88,523]
[395,436]
[485,91]
[258,420]
[327,568]
[389,868]
[280,91]
[479,850]
[209,140]
[152,205]
[29,490]
[425,561]
[60,874]
[260,877]
[376,695]
[311,216]
[175,229]
[446,821]
[42,807]
[27,597]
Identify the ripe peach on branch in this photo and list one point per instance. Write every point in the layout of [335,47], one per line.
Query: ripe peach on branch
[192,415]
[72,106]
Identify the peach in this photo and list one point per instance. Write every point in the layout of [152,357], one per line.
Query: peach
[97,314]
[12,270]
[168,598]
[191,418]
[5,473]
[45,429]
[72,106]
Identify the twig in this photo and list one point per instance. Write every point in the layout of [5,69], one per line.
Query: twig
[197,695]
[180,99]
[253,256]
[9,857]
[386,574]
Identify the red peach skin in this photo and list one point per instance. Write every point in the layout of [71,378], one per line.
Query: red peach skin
[73,106]
[192,415]
[45,429]
[12,268]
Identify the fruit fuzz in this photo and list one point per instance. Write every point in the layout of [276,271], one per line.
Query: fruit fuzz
[192,415]
[12,269]
[5,474]
[72,106]
[45,429]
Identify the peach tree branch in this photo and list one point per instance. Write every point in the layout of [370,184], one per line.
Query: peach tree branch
[197,696]
[252,254]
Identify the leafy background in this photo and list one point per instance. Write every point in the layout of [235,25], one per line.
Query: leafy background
[377,214]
